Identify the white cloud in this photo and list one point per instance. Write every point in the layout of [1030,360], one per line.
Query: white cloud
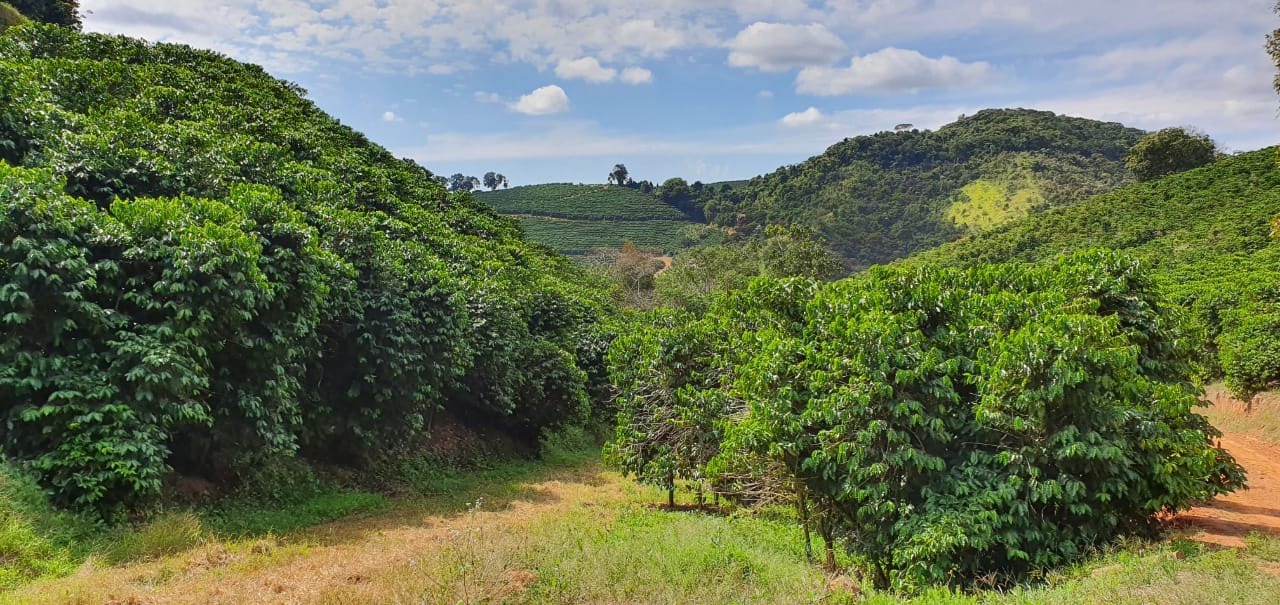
[779,47]
[486,97]
[637,75]
[1130,62]
[543,101]
[892,70]
[391,116]
[443,69]
[765,94]
[808,117]
[586,68]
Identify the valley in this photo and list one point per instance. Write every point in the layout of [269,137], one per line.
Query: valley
[255,349]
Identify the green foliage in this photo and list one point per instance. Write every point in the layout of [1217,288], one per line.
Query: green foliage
[1169,151]
[200,270]
[1208,235]
[580,202]
[880,197]
[580,219]
[945,424]
[1273,49]
[575,237]
[696,275]
[57,12]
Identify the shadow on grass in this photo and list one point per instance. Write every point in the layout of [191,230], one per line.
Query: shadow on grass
[711,510]
[344,515]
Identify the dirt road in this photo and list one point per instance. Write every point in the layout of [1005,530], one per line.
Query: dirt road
[1227,520]
[341,562]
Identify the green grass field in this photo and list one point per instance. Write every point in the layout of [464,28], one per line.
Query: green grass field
[581,202]
[569,533]
[580,219]
[576,237]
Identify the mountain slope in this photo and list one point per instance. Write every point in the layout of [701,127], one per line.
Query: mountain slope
[880,197]
[577,219]
[1207,233]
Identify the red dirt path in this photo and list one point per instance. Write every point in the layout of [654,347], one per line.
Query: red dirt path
[1228,519]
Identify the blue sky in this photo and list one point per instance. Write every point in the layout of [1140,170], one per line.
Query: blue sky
[561,90]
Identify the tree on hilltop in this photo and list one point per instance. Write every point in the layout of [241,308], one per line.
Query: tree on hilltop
[493,180]
[1170,151]
[461,182]
[619,176]
[57,12]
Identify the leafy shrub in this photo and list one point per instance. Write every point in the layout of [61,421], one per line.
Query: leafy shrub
[945,424]
[1206,233]
[198,268]
[1168,151]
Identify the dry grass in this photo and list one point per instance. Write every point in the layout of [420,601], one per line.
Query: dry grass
[1260,419]
[578,534]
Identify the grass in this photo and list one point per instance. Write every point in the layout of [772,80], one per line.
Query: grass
[35,540]
[577,237]
[580,219]
[582,202]
[564,531]
[166,535]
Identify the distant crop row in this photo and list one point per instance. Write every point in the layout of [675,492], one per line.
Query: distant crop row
[583,202]
[581,237]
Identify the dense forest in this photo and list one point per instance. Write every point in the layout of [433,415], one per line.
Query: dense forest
[881,197]
[200,270]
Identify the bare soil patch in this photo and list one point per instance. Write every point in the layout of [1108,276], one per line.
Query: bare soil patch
[1228,519]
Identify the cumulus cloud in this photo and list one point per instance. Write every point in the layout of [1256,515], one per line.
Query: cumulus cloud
[808,117]
[892,70]
[779,47]
[586,68]
[543,101]
[391,116]
[637,75]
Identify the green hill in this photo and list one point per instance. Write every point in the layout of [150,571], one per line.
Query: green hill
[884,196]
[1206,232]
[578,219]
[202,271]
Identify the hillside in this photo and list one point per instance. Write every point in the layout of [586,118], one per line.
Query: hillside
[884,196]
[201,271]
[1207,234]
[578,219]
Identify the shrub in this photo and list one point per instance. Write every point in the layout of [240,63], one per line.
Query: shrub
[944,424]
[1168,151]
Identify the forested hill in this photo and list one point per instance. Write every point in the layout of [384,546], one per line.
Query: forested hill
[1208,233]
[880,197]
[201,270]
